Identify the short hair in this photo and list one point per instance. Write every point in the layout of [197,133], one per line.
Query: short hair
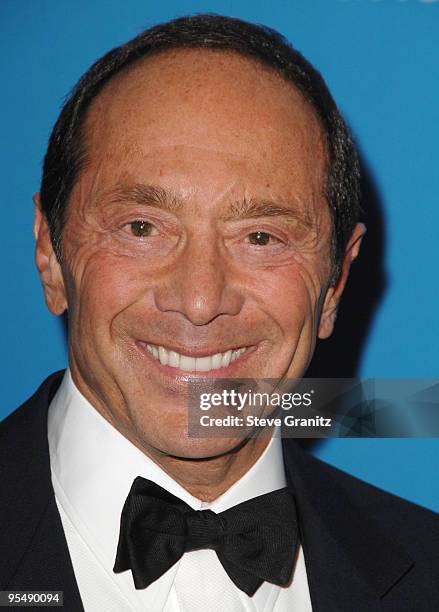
[66,152]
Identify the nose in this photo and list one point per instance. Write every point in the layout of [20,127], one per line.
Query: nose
[200,287]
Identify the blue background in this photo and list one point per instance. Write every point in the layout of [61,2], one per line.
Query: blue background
[381,61]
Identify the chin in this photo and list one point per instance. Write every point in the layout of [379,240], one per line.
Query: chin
[185,447]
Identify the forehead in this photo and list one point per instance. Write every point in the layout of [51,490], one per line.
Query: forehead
[205,108]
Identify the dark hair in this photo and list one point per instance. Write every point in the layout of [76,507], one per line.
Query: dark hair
[66,151]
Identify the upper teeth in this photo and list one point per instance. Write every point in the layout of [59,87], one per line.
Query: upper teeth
[193,364]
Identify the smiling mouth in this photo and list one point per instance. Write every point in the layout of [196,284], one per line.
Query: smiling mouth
[204,363]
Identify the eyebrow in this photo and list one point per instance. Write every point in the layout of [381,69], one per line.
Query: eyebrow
[250,208]
[146,195]
[247,208]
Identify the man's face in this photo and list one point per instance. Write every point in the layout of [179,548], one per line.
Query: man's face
[197,240]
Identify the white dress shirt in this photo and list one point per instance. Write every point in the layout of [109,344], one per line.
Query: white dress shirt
[93,467]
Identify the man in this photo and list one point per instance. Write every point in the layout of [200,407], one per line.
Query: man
[198,216]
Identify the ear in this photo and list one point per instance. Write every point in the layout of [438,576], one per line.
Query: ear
[334,293]
[47,263]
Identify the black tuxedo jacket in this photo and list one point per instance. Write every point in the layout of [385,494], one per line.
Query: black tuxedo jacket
[365,549]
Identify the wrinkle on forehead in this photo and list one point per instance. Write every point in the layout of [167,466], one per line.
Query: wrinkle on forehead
[205,99]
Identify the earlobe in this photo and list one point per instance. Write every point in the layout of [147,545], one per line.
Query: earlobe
[334,293]
[328,315]
[47,264]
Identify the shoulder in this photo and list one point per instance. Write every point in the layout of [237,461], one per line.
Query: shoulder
[26,494]
[375,500]
[23,438]
[413,526]
[33,409]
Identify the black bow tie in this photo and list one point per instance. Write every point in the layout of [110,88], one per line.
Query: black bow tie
[254,541]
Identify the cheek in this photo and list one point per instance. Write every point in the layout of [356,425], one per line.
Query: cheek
[102,286]
[288,295]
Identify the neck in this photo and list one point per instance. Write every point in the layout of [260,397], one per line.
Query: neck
[208,478]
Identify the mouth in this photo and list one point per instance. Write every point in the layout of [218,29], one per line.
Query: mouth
[190,363]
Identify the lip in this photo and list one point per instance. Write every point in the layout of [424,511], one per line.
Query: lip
[226,372]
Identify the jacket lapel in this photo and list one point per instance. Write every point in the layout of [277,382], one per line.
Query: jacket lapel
[351,564]
[31,529]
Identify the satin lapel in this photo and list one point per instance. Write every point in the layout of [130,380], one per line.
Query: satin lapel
[31,530]
[351,564]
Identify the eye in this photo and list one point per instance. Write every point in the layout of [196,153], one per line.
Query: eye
[261,238]
[142,229]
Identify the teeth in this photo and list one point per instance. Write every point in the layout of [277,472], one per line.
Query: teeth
[163,355]
[174,359]
[187,363]
[216,361]
[203,364]
[226,359]
[192,364]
